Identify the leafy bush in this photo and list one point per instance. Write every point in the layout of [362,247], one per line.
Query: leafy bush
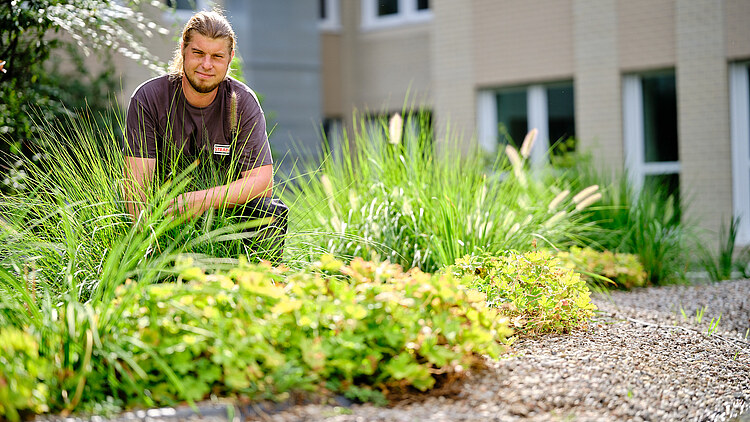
[22,374]
[623,269]
[533,289]
[388,192]
[256,331]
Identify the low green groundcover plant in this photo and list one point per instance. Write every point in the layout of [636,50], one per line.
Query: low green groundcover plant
[621,270]
[364,330]
[533,289]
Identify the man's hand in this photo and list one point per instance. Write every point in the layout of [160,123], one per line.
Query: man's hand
[190,204]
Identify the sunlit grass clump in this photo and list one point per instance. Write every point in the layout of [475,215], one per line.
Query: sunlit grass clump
[391,191]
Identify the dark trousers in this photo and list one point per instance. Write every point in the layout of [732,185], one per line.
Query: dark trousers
[265,241]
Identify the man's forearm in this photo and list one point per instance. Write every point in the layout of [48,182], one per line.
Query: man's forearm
[256,183]
[235,193]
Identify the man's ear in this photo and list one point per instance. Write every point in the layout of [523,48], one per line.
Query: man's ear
[231,57]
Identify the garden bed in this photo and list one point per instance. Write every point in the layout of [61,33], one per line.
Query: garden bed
[638,361]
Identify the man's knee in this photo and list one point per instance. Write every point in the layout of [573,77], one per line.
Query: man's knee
[268,238]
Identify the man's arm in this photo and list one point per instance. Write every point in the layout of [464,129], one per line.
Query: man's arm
[138,173]
[254,183]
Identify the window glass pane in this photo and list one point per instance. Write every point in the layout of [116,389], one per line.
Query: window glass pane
[660,118]
[512,117]
[182,4]
[322,9]
[387,7]
[423,4]
[560,103]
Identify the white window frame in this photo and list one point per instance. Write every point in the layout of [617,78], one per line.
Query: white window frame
[538,118]
[332,22]
[739,93]
[634,136]
[407,14]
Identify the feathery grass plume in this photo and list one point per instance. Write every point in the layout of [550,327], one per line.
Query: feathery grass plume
[555,218]
[353,199]
[558,199]
[588,201]
[585,193]
[328,189]
[528,143]
[233,114]
[395,129]
[515,161]
[327,186]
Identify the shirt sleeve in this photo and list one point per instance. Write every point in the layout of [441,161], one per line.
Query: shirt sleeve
[252,139]
[140,131]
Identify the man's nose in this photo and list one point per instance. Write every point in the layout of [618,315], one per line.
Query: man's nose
[207,62]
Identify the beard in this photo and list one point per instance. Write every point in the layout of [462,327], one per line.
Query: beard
[200,86]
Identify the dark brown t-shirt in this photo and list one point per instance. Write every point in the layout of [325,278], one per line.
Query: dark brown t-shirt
[231,131]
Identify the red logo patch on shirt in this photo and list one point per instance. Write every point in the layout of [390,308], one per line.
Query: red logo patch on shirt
[221,149]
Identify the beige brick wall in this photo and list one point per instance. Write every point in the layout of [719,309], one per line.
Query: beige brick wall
[379,67]
[451,51]
[519,42]
[737,26]
[391,63]
[645,34]
[703,109]
[598,96]
[331,75]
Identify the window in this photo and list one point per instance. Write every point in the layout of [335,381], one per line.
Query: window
[650,131]
[388,13]
[506,115]
[182,10]
[739,98]
[328,15]
[182,4]
[387,7]
[333,132]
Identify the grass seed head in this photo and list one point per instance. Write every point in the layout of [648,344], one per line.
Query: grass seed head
[588,201]
[585,193]
[395,128]
[558,199]
[528,143]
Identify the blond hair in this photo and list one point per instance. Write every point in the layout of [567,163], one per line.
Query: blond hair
[211,24]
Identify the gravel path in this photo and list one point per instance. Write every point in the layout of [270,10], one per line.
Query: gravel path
[641,359]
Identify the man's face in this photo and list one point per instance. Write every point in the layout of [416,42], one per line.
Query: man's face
[206,62]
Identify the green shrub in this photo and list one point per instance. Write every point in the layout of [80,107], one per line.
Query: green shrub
[22,375]
[364,330]
[254,332]
[533,289]
[622,269]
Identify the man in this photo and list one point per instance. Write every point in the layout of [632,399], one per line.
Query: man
[196,113]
